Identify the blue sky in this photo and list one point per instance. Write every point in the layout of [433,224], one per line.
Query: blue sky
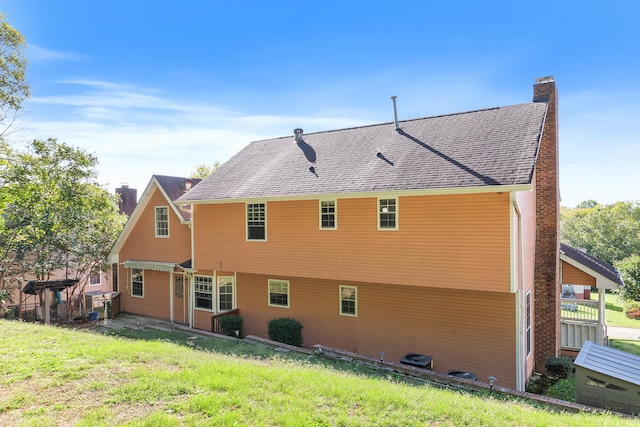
[159,87]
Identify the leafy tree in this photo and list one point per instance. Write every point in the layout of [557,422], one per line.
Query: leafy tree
[630,270]
[14,88]
[203,171]
[609,232]
[54,217]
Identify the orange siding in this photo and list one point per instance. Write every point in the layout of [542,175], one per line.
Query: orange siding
[142,244]
[572,276]
[472,331]
[437,235]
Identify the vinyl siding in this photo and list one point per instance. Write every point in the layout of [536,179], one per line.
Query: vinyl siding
[436,236]
[573,276]
[142,244]
[465,330]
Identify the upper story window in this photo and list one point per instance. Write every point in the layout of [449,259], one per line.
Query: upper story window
[348,301]
[279,293]
[328,214]
[203,287]
[94,279]
[162,221]
[387,214]
[256,221]
[137,282]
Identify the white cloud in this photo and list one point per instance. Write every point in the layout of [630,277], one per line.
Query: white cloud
[40,54]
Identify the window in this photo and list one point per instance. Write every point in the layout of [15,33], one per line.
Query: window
[114,276]
[225,293]
[528,320]
[256,221]
[179,287]
[348,301]
[328,214]
[203,287]
[162,221]
[279,293]
[137,282]
[94,279]
[387,210]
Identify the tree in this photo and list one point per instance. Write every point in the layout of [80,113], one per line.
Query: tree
[54,217]
[609,232]
[203,171]
[630,270]
[14,88]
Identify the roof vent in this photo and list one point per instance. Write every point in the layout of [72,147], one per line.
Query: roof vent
[298,133]
[395,112]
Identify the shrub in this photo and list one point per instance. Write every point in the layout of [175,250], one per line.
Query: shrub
[285,330]
[230,324]
[632,309]
[559,366]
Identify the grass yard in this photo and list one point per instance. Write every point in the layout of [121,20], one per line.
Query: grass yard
[615,314]
[53,376]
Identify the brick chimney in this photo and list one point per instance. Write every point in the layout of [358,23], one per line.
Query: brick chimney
[547,250]
[128,199]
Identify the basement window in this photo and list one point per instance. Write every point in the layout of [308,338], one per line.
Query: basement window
[348,301]
[279,293]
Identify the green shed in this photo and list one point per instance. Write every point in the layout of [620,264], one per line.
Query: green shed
[608,378]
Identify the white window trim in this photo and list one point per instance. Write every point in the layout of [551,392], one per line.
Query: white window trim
[213,293]
[131,283]
[355,289]
[378,211]
[99,279]
[246,221]
[270,281]
[155,222]
[335,214]
[233,292]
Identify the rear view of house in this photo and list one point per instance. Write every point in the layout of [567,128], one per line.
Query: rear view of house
[436,236]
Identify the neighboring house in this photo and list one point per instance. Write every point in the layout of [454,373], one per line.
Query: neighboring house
[153,252]
[583,319]
[436,236]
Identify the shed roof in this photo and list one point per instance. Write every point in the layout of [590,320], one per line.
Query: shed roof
[483,148]
[609,361]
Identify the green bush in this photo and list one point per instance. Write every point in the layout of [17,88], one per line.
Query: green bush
[285,330]
[230,324]
[559,366]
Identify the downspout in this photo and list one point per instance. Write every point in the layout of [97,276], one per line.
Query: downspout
[171,294]
[193,263]
[516,287]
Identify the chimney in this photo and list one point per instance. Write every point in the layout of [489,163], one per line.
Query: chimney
[547,288]
[128,199]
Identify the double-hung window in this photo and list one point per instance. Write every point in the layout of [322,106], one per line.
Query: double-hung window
[348,301]
[256,221]
[162,221]
[137,282]
[279,293]
[387,214]
[225,293]
[328,215]
[203,287]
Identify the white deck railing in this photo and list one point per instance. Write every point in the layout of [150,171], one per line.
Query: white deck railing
[583,310]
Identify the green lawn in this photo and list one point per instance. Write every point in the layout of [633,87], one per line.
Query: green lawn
[614,313]
[53,376]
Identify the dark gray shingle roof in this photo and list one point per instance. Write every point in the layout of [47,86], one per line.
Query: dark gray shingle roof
[489,147]
[175,186]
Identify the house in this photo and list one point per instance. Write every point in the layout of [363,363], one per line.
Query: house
[436,236]
[152,254]
[583,318]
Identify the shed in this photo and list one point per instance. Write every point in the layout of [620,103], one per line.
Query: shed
[608,378]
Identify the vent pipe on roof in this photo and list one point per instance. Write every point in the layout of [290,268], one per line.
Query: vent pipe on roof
[298,133]
[395,112]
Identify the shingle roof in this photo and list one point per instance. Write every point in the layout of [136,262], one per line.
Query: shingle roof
[491,147]
[595,264]
[174,187]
